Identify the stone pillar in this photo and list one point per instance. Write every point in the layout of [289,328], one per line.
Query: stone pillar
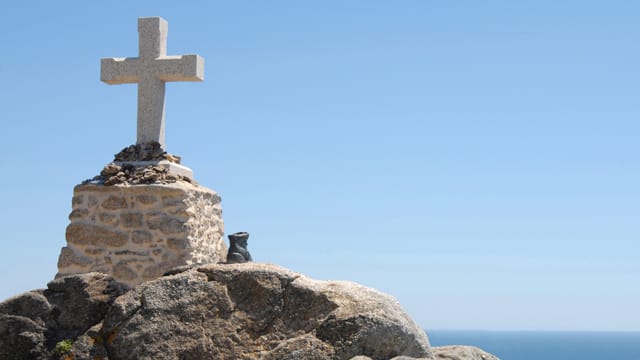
[137,232]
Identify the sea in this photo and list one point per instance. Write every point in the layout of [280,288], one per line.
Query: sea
[545,345]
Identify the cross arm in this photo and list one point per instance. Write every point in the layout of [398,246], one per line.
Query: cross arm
[119,70]
[180,68]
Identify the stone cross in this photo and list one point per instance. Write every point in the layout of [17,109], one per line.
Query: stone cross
[150,70]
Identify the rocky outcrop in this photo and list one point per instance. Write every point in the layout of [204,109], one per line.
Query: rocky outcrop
[459,352]
[252,311]
[32,324]
[216,311]
[454,352]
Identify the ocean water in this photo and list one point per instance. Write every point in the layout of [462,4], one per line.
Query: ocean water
[545,345]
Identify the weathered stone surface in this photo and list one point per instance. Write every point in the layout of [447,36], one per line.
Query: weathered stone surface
[216,311]
[78,214]
[88,234]
[140,236]
[131,220]
[93,201]
[176,244]
[109,219]
[69,258]
[32,323]
[33,305]
[146,199]
[166,224]
[257,311]
[81,301]
[453,352]
[89,345]
[306,347]
[459,352]
[157,227]
[124,272]
[114,202]
[21,338]
[77,200]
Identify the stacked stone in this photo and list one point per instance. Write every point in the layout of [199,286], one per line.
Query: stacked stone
[136,233]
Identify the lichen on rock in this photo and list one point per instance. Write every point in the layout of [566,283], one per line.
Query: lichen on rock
[216,311]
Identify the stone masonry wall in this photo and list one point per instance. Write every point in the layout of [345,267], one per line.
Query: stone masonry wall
[136,233]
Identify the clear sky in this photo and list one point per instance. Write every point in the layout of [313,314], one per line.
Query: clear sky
[479,160]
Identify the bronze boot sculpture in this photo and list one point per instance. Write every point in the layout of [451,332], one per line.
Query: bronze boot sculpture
[238,252]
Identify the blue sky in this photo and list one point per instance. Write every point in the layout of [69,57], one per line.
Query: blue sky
[477,160]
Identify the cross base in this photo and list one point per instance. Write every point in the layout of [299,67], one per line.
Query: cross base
[172,168]
[137,233]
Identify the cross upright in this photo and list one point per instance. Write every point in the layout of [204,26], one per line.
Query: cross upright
[151,70]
